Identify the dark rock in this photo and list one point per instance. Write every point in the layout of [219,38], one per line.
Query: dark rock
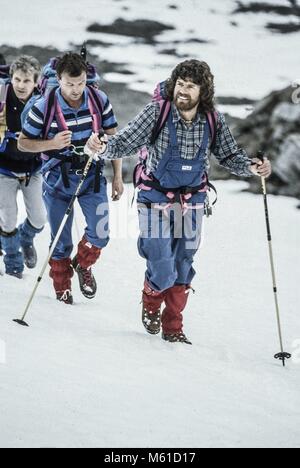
[284,28]
[234,101]
[125,72]
[263,7]
[172,52]
[2,60]
[196,40]
[144,29]
[274,127]
[43,54]
[97,42]
[173,7]
[192,40]
[282,10]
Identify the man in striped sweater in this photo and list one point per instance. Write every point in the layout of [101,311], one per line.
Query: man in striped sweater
[75,119]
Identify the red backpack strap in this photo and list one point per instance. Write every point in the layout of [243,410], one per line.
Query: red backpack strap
[53,109]
[212,118]
[96,107]
[49,112]
[59,116]
[165,108]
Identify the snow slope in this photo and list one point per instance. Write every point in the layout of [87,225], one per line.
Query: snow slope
[89,376]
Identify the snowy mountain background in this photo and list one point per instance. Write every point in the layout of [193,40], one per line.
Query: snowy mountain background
[89,376]
[248,61]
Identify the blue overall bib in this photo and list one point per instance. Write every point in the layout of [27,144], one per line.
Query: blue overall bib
[94,207]
[169,243]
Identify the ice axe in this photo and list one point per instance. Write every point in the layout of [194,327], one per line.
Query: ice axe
[282,356]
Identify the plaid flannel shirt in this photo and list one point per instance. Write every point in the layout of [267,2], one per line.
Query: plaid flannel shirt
[138,133]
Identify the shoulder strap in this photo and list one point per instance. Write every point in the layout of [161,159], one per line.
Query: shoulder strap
[99,104]
[3,95]
[165,108]
[5,72]
[49,112]
[52,109]
[96,107]
[212,118]
[60,118]
[163,117]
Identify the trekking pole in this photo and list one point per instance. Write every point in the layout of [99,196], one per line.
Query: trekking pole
[282,356]
[57,237]
[83,51]
[77,227]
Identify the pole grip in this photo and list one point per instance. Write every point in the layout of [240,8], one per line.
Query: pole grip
[261,155]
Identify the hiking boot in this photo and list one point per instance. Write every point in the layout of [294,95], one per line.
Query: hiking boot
[30,256]
[87,282]
[178,337]
[65,296]
[16,274]
[151,321]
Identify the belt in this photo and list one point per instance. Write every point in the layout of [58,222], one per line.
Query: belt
[25,179]
[78,172]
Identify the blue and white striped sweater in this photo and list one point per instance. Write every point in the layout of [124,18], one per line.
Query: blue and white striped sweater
[79,121]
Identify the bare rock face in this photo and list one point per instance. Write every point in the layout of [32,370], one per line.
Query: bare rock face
[274,127]
[291,12]
[141,28]
[288,163]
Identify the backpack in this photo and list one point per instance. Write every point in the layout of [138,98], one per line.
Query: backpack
[143,181]
[4,72]
[47,86]
[48,79]
[4,85]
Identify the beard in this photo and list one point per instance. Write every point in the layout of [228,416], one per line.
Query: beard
[187,105]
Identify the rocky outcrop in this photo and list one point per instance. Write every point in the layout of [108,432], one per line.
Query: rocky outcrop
[274,127]
[289,11]
[141,28]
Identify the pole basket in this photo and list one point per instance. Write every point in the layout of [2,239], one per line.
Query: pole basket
[282,357]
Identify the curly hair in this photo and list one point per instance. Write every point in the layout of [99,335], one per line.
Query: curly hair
[72,64]
[200,74]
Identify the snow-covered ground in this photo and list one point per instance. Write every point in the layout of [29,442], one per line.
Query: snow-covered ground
[89,376]
[247,60]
